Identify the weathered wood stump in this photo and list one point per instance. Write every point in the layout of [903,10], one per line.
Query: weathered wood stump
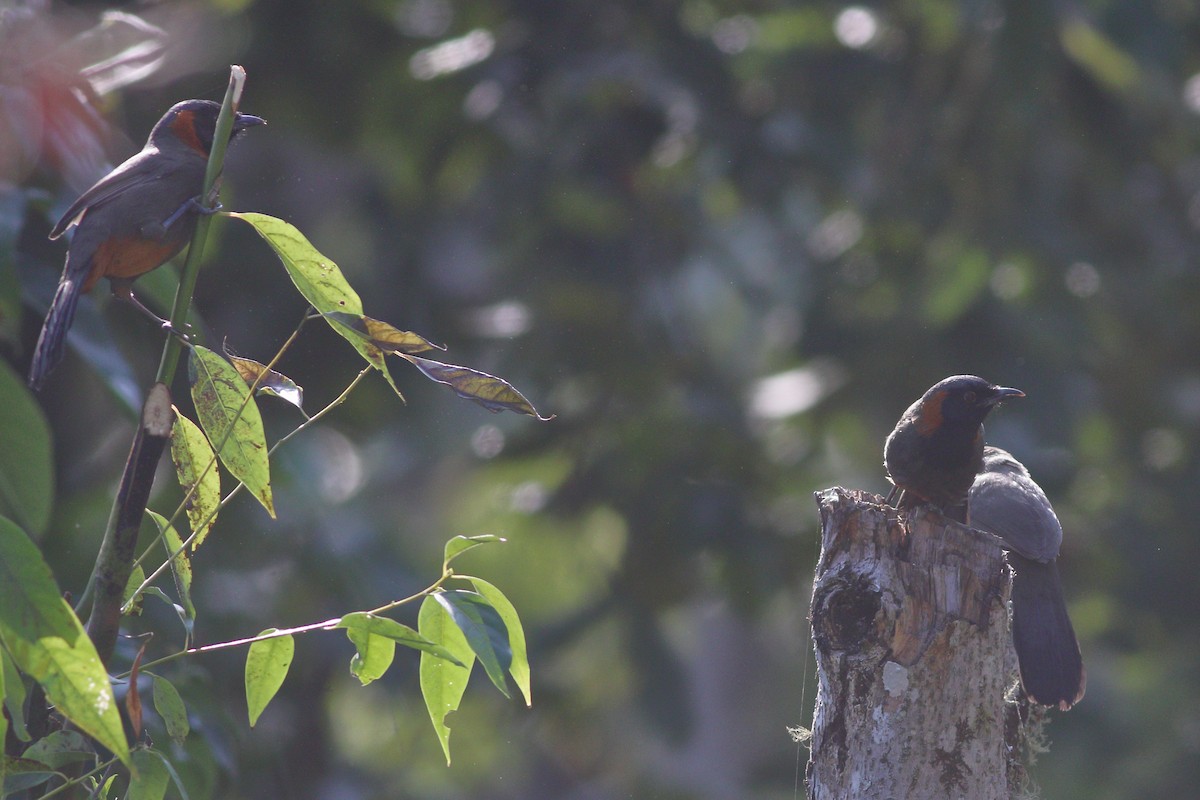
[914,657]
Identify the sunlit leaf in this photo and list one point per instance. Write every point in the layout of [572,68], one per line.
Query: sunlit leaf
[269,382]
[484,629]
[373,653]
[458,545]
[47,641]
[170,707]
[181,563]
[494,394]
[318,279]
[26,460]
[267,665]
[386,337]
[131,586]
[519,669]
[149,779]
[195,467]
[231,420]
[443,682]
[395,631]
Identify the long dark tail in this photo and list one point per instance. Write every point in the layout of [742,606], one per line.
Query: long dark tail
[53,340]
[1051,667]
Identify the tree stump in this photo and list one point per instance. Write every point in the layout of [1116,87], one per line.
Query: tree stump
[914,658]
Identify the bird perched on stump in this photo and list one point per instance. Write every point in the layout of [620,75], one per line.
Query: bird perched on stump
[1006,501]
[936,456]
[936,449]
[135,219]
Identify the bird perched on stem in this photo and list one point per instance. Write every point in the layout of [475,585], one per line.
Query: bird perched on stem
[135,219]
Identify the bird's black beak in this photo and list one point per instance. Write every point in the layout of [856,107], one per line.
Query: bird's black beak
[243,121]
[1002,393]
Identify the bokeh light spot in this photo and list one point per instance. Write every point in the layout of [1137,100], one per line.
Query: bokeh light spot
[856,27]
[1082,279]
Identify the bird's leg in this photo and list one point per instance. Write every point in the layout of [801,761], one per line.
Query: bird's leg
[192,204]
[894,494]
[123,290]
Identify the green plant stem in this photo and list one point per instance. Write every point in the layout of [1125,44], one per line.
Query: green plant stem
[341,398]
[76,781]
[329,624]
[173,345]
[212,464]
[191,268]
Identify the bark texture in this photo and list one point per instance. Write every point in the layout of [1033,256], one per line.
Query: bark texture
[914,658]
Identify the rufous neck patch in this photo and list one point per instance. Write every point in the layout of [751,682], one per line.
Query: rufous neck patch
[930,417]
[184,128]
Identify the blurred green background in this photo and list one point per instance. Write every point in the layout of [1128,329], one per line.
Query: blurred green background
[726,244]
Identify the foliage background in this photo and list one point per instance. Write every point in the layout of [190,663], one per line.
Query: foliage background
[727,244]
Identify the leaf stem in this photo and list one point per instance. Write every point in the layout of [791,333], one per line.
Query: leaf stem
[76,781]
[326,625]
[337,401]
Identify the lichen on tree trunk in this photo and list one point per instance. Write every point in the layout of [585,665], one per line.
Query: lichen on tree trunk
[914,658]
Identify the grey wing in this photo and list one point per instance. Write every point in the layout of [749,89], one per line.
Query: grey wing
[130,173]
[1014,508]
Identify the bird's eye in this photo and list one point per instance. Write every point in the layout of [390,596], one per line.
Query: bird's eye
[969,397]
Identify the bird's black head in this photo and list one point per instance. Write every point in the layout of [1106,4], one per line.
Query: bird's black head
[960,401]
[194,124]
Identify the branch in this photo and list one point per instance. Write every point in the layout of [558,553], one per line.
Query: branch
[914,657]
[114,562]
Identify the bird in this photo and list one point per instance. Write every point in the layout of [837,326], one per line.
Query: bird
[134,219]
[1006,501]
[936,449]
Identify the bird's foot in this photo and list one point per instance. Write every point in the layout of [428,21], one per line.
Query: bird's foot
[192,204]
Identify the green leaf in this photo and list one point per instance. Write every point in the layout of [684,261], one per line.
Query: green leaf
[319,280]
[267,665]
[196,466]
[149,779]
[24,773]
[373,656]
[26,459]
[14,696]
[1098,56]
[170,707]
[494,394]
[48,643]
[484,629]
[3,719]
[460,544]
[132,585]
[395,631]
[266,380]
[230,418]
[181,564]
[383,335]
[442,682]
[519,669]
[956,276]
[61,748]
